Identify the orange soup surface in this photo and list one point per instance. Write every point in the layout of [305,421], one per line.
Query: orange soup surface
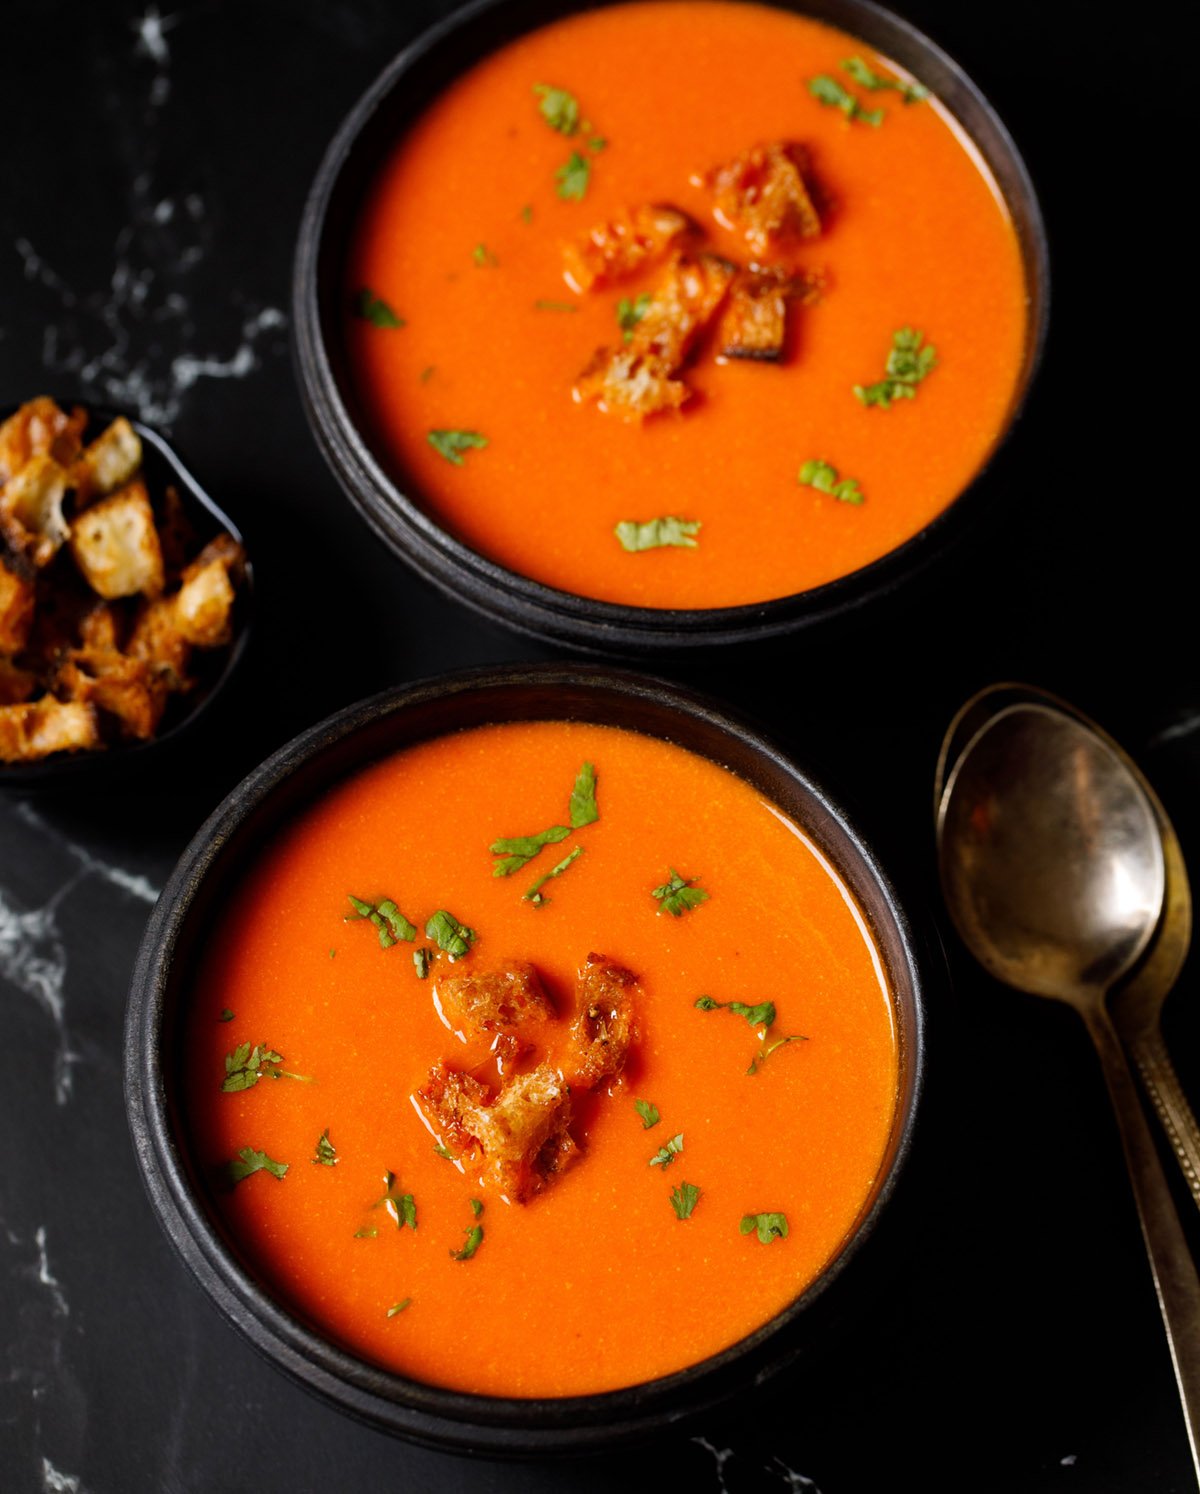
[595,1281]
[467,237]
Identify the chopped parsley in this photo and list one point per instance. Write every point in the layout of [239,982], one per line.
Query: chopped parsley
[484,257]
[769,1227]
[834,95]
[534,894]
[476,1206]
[667,1154]
[907,364]
[226,1015]
[679,895]
[246,1065]
[911,93]
[824,478]
[555,306]
[767,1049]
[654,534]
[630,313]
[648,1112]
[401,1208]
[398,1307]
[474,1241]
[444,1151]
[452,444]
[421,961]
[248,1161]
[757,1016]
[450,935]
[684,1199]
[571,178]
[583,798]
[526,213]
[374,309]
[558,108]
[387,919]
[515,851]
[366,1234]
[326,1153]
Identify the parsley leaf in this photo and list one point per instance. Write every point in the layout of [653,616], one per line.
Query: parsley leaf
[374,309]
[630,313]
[534,894]
[911,93]
[655,533]
[648,1112]
[516,850]
[248,1161]
[554,306]
[767,1049]
[398,1307]
[572,177]
[667,1154]
[246,1065]
[583,798]
[444,1151]
[421,961]
[679,895]
[908,363]
[450,935]
[366,1234]
[226,1015]
[484,257]
[451,444]
[476,1206]
[833,95]
[326,1153]
[824,478]
[558,108]
[769,1226]
[387,919]
[474,1241]
[401,1208]
[758,1016]
[526,213]
[684,1199]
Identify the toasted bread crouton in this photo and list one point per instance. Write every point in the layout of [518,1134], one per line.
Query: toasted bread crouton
[126,688]
[522,1135]
[204,603]
[115,545]
[31,516]
[604,1029]
[108,462]
[494,1000]
[40,727]
[16,684]
[17,598]
[39,428]
[156,638]
[754,322]
[763,195]
[98,628]
[630,242]
[638,379]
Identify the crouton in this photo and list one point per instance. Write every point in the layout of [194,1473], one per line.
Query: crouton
[40,727]
[31,516]
[39,428]
[156,638]
[754,322]
[204,604]
[604,1029]
[108,462]
[115,545]
[98,627]
[630,242]
[494,1000]
[17,597]
[125,688]
[763,195]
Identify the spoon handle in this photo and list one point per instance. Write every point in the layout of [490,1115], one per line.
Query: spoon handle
[1175,1278]
[1149,1053]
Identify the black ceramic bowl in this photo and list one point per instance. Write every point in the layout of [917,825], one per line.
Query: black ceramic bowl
[160,994]
[405,88]
[213,669]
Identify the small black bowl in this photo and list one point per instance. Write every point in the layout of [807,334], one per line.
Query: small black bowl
[400,94]
[160,992]
[214,668]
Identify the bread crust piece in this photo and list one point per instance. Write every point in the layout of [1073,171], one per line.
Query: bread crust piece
[124,687]
[631,241]
[497,1000]
[116,546]
[31,513]
[754,321]
[605,1026]
[764,195]
[17,597]
[108,462]
[39,428]
[40,727]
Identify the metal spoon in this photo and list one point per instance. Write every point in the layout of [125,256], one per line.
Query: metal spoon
[1053,871]
[1135,1003]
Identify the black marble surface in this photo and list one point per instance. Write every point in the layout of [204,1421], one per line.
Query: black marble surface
[155,166]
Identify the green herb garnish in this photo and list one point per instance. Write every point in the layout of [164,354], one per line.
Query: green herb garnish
[534,894]
[630,313]
[558,108]
[908,363]
[572,177]
[516,850]
[474,1241]
[450,935]
[679,894]
[769,1226]
[483,256]
[249,1160]
[526,213]
[823,477]
[649,1113]
[654,534]
[226,1015]
[583,798]
[476,1206]
[767,1049]
[326,1154]
[757,1016]
[399,1207]
[421,961]
[246,1065]
[554,306]
[911,93]
[398,1307]
[452,444]
[667,1154]
[366,1234]
[684,1199]
[387,919]
[374,309]
[833,95]
[427,373]
[444,1151]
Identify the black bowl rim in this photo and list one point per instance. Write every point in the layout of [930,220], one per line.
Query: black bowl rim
[491,1425]
[81,768]
[591,625]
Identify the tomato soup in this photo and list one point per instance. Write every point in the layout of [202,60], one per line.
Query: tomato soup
[701,1180]
[776,464]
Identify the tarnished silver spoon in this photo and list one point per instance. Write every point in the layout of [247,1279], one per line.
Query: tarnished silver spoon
[1053,872]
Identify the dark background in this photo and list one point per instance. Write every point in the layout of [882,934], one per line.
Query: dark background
[154,177]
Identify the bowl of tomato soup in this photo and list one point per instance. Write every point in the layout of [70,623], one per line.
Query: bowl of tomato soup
[697,351]
[491,1022]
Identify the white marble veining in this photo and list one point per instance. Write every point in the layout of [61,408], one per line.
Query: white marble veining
[54,1481]
[774,1467]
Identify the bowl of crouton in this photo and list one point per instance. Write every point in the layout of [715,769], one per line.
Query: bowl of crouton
[124,594]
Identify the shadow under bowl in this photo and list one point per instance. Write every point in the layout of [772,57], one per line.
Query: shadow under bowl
[230,842]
